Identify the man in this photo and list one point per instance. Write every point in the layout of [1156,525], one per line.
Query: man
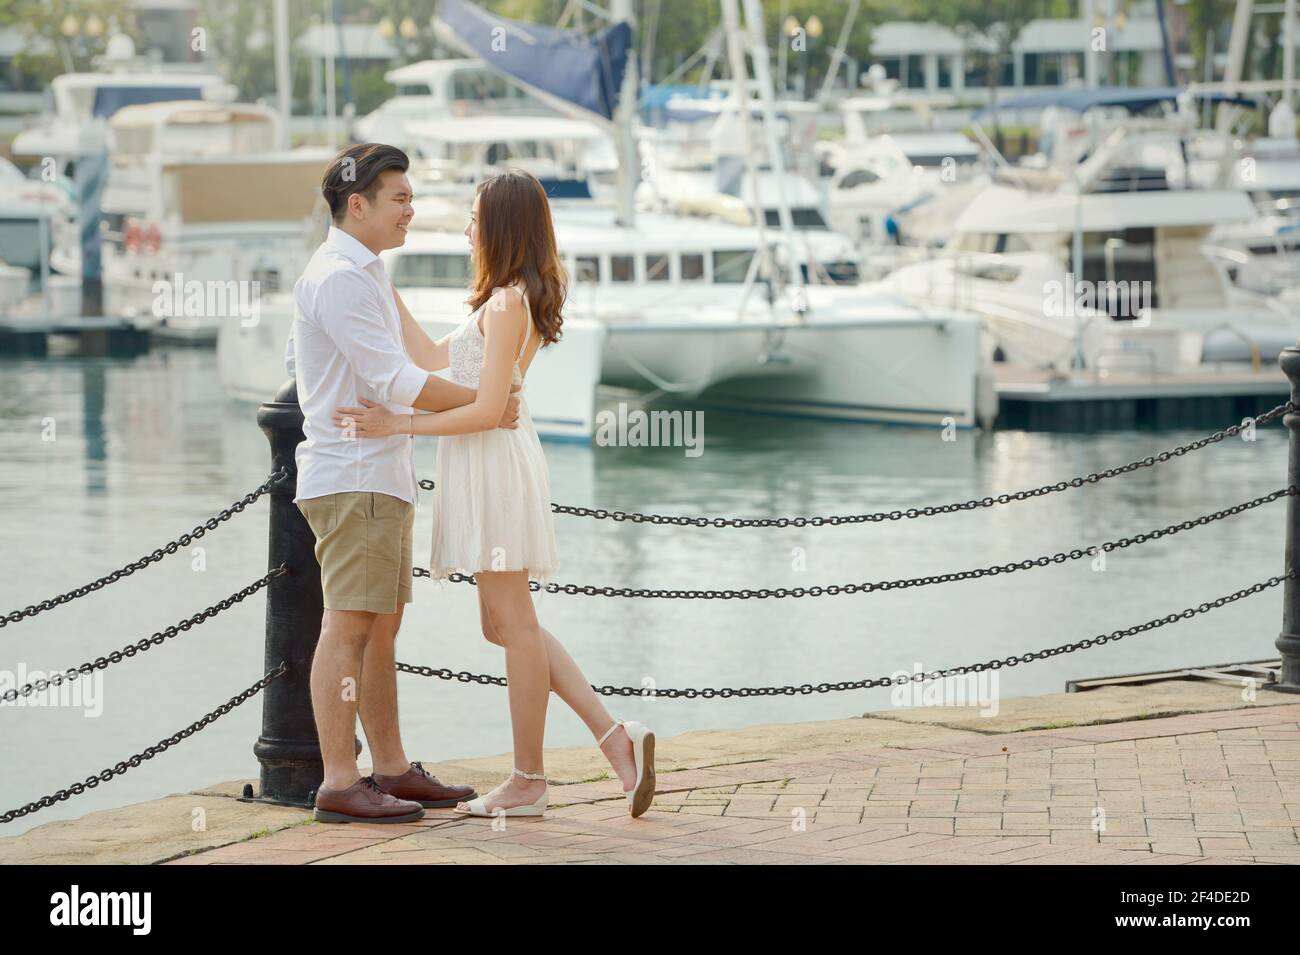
[358,496]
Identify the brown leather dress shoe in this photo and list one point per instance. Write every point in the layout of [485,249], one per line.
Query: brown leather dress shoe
[417,785]
[364,801]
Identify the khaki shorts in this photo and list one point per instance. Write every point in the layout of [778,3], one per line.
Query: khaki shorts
[363,546]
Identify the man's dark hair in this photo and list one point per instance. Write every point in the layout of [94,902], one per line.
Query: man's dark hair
[357,169]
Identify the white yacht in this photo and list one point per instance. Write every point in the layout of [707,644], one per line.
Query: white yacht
[198,193]
[1148,297]
[576,157]
[671,307]
[80,99]
[1263,253]
[1101,255]
[433,90]
[896,190]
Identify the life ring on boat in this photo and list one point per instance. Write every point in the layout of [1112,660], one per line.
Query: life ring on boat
[133,236]
[152,240]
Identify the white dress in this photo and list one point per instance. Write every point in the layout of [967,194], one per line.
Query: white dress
[491,495]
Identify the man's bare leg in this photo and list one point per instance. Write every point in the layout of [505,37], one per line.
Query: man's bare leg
[335,683]
[378,703]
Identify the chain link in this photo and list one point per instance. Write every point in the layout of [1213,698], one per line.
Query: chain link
[601,513]
[185,539]
[832,590]
[117,656]
[708,693]
[76,789]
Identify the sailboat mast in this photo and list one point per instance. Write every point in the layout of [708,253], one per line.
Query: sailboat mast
[763,77]
[629,160]
[282,87]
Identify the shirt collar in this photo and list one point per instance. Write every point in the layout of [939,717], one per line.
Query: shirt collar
[350,246]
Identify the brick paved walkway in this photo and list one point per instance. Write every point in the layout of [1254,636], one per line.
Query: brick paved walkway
[1216,787]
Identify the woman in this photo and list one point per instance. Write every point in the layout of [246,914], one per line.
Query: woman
[492,504]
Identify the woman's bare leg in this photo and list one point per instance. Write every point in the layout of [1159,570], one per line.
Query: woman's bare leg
[506,595]
[569,683]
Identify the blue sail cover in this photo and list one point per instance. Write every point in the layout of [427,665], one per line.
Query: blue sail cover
[564,68]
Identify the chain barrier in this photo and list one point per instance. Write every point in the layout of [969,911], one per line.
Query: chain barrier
[76,789]
[601,513]
[833,590]
[707,693]
[117,656]
[184,540]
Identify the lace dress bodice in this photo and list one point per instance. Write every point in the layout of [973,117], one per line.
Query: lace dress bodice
[465,348]
[492,495]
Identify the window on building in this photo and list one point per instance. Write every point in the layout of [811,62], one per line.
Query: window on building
[893,66]
[915,73]
[945,72]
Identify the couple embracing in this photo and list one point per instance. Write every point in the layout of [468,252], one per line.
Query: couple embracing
[363,367]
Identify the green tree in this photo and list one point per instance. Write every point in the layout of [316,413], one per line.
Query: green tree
[43,22]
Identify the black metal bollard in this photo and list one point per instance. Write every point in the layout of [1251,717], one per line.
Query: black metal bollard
[289,749]
[1288,642]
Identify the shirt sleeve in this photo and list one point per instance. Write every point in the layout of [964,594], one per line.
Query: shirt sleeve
[351,313]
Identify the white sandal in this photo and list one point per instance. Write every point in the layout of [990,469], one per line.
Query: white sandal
[477,807]
[642,793]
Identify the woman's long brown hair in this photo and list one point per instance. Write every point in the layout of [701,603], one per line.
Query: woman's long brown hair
[516,243]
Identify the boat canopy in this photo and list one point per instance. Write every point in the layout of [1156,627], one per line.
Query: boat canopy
[560,67]
[109,99]
[490,129]
[1003,209]
[1135,100]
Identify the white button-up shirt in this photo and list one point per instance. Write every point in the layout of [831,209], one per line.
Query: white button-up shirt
[346,343]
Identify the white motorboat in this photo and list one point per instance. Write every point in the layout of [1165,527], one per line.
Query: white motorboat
[671,307]
[1102,255]
[919,180]
[82,99]
[202,215]
[1148,298]
[433,90]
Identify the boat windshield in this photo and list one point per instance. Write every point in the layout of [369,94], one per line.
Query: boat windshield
[431,270]
[802,218]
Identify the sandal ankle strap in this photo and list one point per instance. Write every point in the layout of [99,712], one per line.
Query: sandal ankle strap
[616,725]
[529,775]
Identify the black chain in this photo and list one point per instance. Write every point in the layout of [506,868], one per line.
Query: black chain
[708,693]
[76,789]
[911,512]
[117,656]
[832,590]
[185,539]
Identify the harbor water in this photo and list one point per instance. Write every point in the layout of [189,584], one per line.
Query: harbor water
[102,460]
